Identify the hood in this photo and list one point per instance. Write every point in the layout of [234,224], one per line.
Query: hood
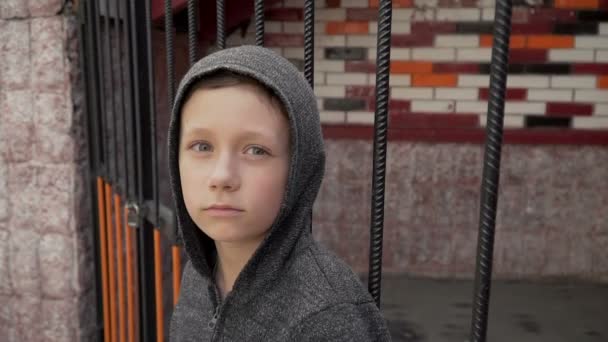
[292,224]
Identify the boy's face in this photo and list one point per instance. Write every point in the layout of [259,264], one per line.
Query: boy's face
[233,161]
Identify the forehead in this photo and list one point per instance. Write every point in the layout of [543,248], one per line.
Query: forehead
[242,107]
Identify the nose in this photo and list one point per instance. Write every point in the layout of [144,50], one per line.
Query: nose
[225,174]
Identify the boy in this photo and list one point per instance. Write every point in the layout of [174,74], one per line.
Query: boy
[246,162]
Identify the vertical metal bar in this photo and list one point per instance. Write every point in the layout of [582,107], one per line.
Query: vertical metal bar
[158,287]
[104,258]
[111,271]
[491,169]
[259,22]
[192,35]
[129,156]
[309,41]
[177,265]
[170,49]
[380,142]
[87,62]
[221,28]
[140,74]
[122,332]
[100,81]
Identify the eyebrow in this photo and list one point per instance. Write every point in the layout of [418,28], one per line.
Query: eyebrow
[244,135]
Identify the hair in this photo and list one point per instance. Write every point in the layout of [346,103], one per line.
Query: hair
[226,78]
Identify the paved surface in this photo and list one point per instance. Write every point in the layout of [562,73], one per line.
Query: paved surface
[440,310]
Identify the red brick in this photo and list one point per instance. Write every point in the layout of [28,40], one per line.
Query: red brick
[284,14]
[552,15]
[365,14]
[407,67]
[527,55]
[532,27]
[590,68]
[577,4]
[283,39]
[360,66]
[511,94]
[602,82]
[347,27]
[418,39]
[435,27]
[332,3]
[394,106]
[434,80]
[568,109]
[463,68]
[548,41]
[360,91]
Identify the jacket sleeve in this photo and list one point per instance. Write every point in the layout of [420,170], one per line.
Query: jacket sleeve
[344,322]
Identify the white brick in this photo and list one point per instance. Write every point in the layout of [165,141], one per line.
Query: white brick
[278,50]
[555,95]
[474,55]
[296,52]
[487,14]
[354,3]
[456,93]
[599,96]
[590,42]
[471,106]
[319,27]
[332,117]
[570,55]
[318,3]
[509,121]
[319,78]
[403,14]
[590,123]
[458,14]
[512,107]
[330,40]
[601,109]
[406,93]
[601,56]
[328,65]
[432,106]
[397,27]
[528,82]
[273,27]
[361,40]
[319,104]
[432,54]
[473,81]
[603,29]
[396,54]
[347,78]
[330,14]
[455,40]
[400,80]
[487,4]
[426,3]
[360,117]
[294,27]
[330,91]
[573,82]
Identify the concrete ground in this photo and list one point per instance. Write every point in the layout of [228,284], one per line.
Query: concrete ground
[440,310]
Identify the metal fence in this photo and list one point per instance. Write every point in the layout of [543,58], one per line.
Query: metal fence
[116,50]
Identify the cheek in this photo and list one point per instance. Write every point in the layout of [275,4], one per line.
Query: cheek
[270,186]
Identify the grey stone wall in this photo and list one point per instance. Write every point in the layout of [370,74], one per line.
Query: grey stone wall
[46,261]
[552,219]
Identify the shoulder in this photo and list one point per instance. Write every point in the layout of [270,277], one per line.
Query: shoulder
[343,322]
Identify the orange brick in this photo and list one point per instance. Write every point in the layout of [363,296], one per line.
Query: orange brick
[516,41]
[602,82]
[434,80]
[548,41]
[577,3]
[347,27]
[404,67]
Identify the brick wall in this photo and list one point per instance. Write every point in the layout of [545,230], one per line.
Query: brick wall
[440,63]
[46,267]
[551,217]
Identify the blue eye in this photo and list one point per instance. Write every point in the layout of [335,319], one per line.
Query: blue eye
[201,147]
[256,151]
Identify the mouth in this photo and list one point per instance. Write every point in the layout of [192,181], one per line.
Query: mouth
[223,210]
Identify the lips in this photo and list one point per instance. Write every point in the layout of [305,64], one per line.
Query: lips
[222,207]
[223,210]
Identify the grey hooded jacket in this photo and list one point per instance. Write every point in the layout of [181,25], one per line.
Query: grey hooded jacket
[292,289]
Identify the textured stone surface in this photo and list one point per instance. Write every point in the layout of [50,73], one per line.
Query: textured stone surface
[56,258]
[58,319]
[26,318]
[14,54]
[45,8]
[5,280]
[24,266]
[4,203]
[17,129]
[551,218]
[10,9]
[48,54]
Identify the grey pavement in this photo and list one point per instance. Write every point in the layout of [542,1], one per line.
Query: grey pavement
[440,310]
